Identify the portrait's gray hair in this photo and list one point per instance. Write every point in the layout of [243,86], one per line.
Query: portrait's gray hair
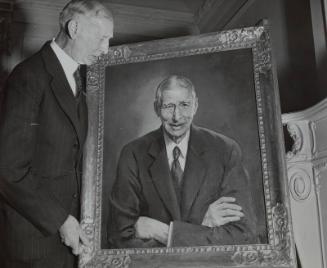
[92,8]
[166,84]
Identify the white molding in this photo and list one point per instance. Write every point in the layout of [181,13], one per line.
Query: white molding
[315,112]
[307,175]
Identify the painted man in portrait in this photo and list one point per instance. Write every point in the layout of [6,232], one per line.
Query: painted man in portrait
[180,185]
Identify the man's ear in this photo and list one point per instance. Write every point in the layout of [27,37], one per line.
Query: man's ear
[196,104]
[156,108]
[72,27]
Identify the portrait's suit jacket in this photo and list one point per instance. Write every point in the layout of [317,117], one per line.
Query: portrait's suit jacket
[42,132]
[144,187]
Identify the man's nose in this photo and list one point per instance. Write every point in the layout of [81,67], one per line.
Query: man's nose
[176,113]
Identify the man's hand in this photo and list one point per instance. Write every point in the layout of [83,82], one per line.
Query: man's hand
[222,212]
[147,228]
[71,234]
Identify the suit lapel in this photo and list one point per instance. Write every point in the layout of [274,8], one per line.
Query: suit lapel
[160,174]
[61,88]
[194,172]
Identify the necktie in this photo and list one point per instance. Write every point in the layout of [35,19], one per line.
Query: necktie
[177,172]
[78,81]
[79,88]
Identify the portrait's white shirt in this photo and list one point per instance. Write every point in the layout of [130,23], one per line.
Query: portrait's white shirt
[68,64]
[182,145]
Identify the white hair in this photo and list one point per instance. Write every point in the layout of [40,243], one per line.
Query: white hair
[167,83]
[91,8]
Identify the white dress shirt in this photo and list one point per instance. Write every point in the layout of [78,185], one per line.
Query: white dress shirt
[68,64]
[182,145]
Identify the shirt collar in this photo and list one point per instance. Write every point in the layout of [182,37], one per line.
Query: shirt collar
[183,145]
[68,63]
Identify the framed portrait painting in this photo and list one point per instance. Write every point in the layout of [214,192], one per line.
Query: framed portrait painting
[133,212]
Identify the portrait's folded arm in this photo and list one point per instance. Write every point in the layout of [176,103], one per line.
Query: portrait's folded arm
[18,182]
[129,203]
[237,232]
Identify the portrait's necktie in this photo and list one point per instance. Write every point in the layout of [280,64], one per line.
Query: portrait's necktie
[177,172]
[78,81]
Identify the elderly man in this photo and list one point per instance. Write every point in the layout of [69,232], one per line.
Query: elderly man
[42,132]
[181,185]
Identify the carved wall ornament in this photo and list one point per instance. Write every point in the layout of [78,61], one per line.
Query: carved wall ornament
[297,136]
[319,167]
[313,127]
[307,129]
[299,184]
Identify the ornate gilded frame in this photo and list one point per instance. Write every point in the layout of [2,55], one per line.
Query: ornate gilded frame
[279,251]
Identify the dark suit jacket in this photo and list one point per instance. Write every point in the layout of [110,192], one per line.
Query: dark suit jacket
[41,141]
[144,187]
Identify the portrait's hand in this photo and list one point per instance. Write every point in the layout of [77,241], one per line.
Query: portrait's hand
[222,212]
[148,228]
[72,235]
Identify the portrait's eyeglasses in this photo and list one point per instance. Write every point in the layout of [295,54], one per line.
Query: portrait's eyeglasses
[171,107]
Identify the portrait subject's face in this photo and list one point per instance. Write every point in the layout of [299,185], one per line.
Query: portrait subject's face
[93,38]
[178,107]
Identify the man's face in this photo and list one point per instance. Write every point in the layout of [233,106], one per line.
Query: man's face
[93,39]
[177,110]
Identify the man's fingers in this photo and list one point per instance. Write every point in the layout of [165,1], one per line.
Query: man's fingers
[67,241]
[225,199]
[231,213]
[229,206]
[208,223]
[146,228]
[74,242]
[80,249]
[75,248]
[160,231]
[85,241]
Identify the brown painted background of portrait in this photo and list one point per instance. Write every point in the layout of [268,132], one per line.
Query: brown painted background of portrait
[224,84]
